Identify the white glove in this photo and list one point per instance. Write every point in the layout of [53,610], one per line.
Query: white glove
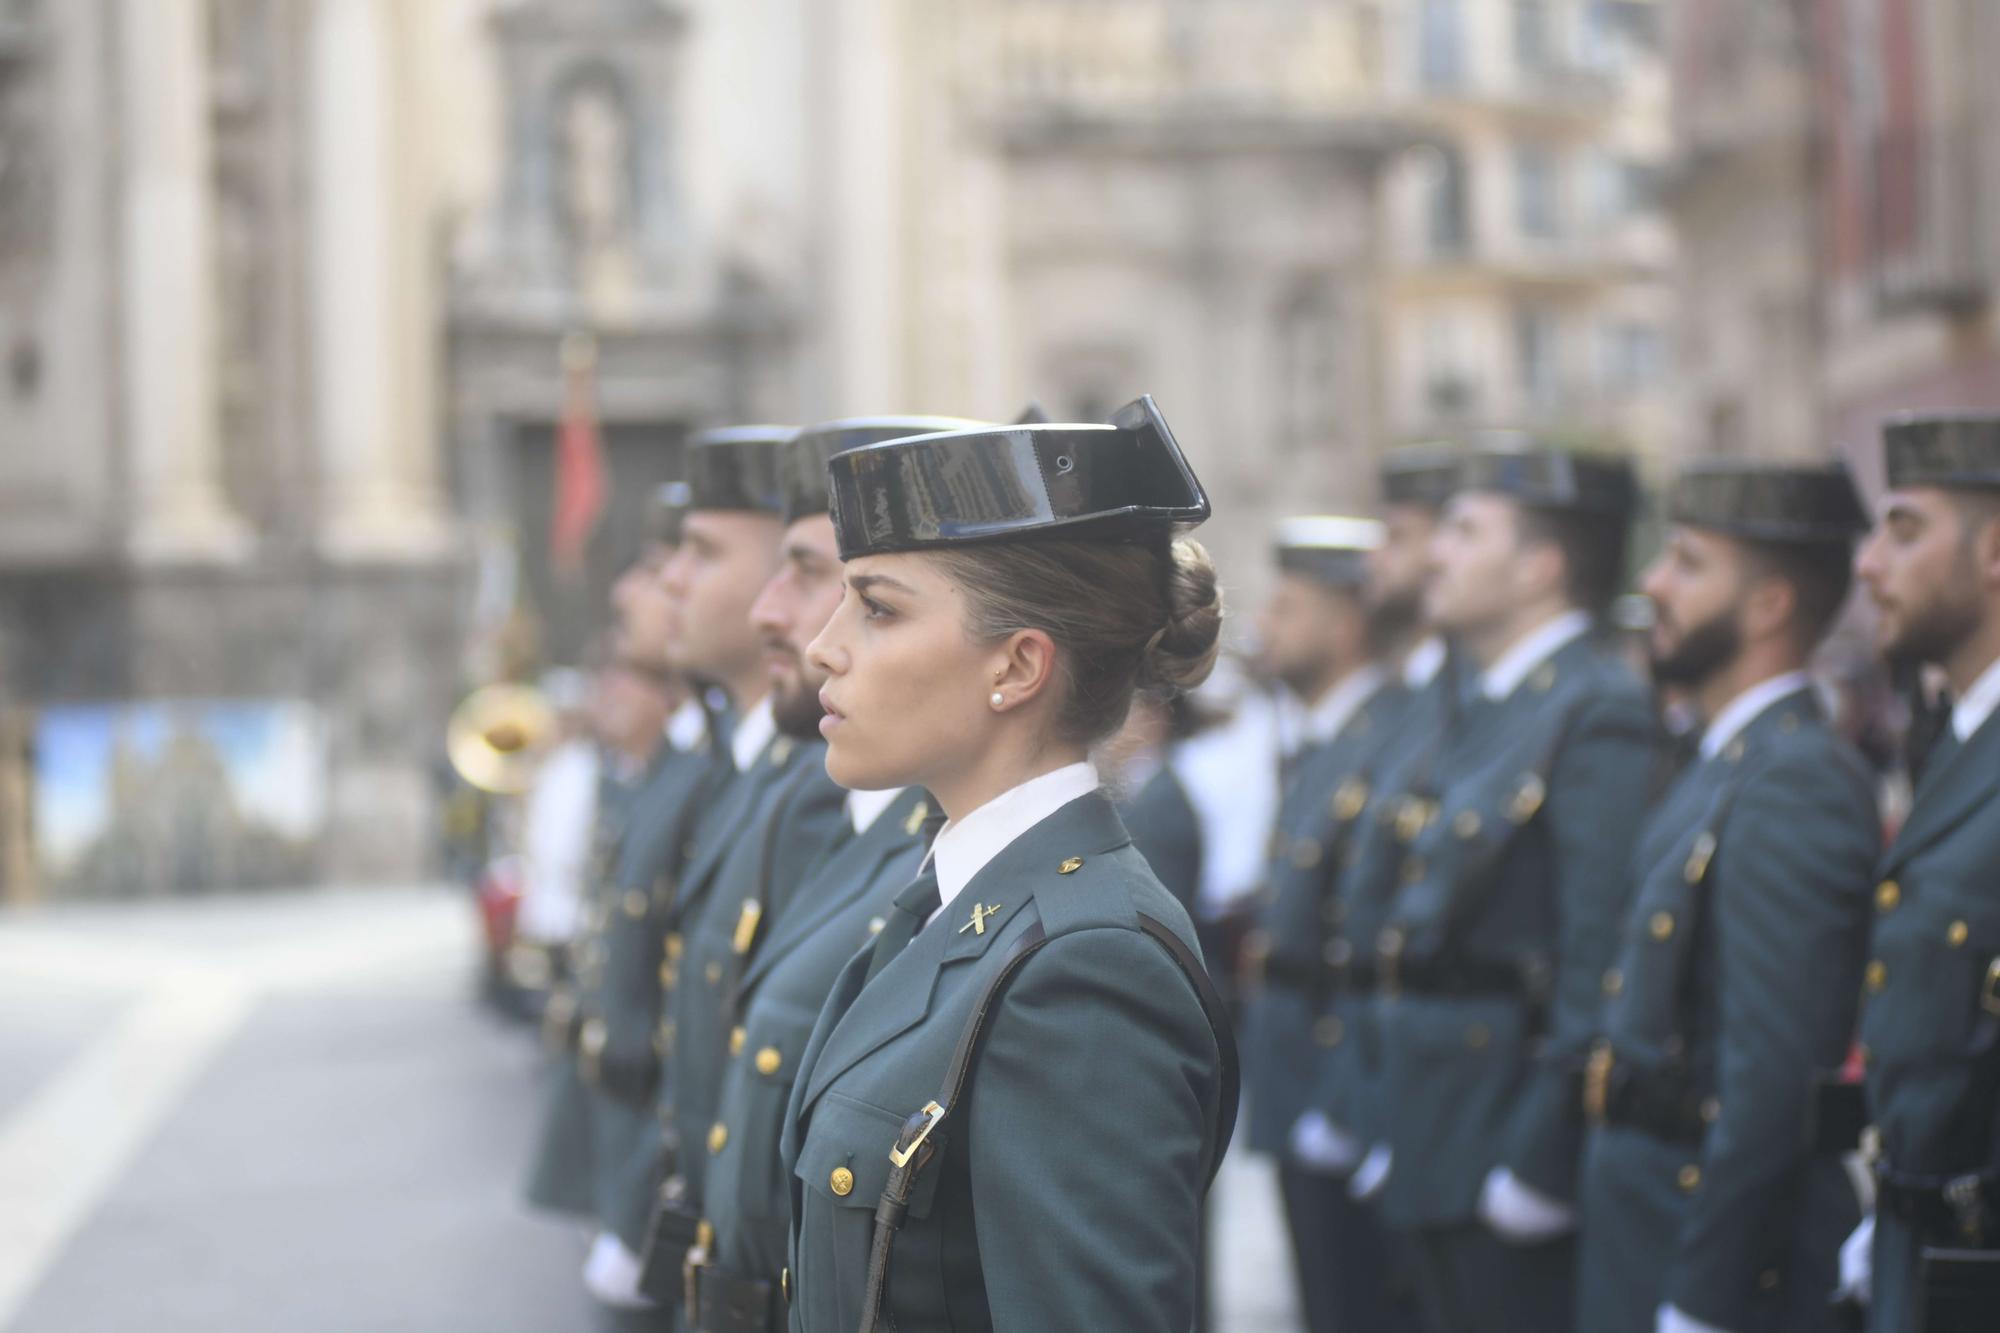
[611,1274]
[1320,1145]
[1857,1263]
[1371,1175]
[1670,1320]
[1515,1212]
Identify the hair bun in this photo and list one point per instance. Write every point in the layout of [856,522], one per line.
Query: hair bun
[1182,654]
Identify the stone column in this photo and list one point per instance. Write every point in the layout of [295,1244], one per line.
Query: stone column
[371,331]
[178,510]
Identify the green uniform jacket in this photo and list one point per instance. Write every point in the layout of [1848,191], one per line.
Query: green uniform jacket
[801,819]
[722,825]
[1511,868]
[1167,832]
[1349,1069]
[1068,1194]
[746,1196]
[617,987]
[1287,953]
[1735,982]
[1930,1017]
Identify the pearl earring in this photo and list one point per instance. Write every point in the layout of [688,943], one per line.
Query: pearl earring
[999,699]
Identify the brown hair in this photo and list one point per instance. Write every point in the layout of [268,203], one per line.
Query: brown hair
[1124,617]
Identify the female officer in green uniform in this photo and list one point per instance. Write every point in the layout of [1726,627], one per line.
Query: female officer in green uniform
[1031,1034]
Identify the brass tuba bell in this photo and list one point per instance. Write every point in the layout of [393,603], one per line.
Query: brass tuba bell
[497,735]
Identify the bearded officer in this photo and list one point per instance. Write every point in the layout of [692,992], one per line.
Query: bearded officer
[1930,1024]
[1704,1207]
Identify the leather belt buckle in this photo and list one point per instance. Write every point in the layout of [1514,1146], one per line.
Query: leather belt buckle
[906,1145]
[697,1259]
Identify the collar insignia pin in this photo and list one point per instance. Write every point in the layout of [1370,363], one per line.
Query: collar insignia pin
[980,915]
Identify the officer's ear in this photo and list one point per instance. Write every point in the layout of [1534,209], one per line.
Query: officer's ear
[1024,668]
[1770,606]
[1980,515]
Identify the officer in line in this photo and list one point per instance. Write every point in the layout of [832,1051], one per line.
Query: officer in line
[733,1278]
[1032,1035]
[728,551]
[791,817]
[1319,642]
[602,1028]
[1930,1020]
[1502,921]
[1703,1205]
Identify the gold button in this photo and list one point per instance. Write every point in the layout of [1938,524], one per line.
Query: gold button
[1350,800]
[841,1182]
[1957,933]
[1689,1178]
[713,972]
[1614,981]
[1877,976]
[1711,1110]
[1477,1036]
[1661,927]
[735,1041]
[718,1136]
[1699,857]
[667,974]
[635,904]
[1328,1031]
[1528,798]
[875,924]
[673,945]
[1071,866]
[1887,894]
[1305,853]
[768,1060]
[785,1282]
[1466,824]
[593,1036]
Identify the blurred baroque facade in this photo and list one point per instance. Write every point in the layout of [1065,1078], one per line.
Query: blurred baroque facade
[1836,187]
[282,284]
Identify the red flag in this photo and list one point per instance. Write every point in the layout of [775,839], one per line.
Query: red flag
[579,498]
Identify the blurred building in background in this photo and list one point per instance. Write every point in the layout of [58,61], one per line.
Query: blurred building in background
[1835,187]
[1529,271]
[283,285]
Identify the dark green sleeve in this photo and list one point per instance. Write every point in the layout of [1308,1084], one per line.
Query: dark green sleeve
[1596,801]
[1088,1120]
[1790,917]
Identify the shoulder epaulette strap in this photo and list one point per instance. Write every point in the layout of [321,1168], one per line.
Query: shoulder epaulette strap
[923,1133]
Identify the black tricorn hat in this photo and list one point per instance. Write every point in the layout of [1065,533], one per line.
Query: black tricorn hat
[737,468]
[1768,502]
[1327,548]
[1420,474]
[1543,477]
[1942,449]
[807,454]
[1072,479]
[665,509]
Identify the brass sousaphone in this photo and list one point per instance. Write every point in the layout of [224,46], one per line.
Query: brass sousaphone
[497,736]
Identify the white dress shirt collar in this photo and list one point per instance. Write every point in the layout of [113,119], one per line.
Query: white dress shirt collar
[687,729]
[1337,707]
[865,807]
[1538,646]
[752,734]
[1421,667]
[1971,712]
[1747,707]
[964,846]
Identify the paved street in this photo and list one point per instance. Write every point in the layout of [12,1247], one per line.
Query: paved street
[286,1113]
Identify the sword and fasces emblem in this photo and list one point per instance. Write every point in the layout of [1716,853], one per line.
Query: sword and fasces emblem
[981,914]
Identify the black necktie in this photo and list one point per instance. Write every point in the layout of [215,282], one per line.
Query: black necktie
[912,907]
